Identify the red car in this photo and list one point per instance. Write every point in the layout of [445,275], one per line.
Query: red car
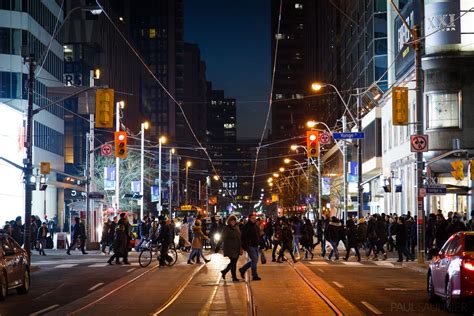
[451,273]
[14,269]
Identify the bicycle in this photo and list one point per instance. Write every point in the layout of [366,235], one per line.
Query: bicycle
[150,249]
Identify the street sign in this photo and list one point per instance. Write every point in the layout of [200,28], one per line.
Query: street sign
[436,190]
[106,150]
[96,195]
[419,143]
[45,167]
[352,135]
[324,138]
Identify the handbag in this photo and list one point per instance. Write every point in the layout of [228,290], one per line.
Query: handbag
[263,259]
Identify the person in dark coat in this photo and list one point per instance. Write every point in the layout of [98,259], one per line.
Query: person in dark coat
[455,226]
[105,235]
[371,236]
[232,246]
[441,235]
[111,236]
[268,233]
[250,241]
[120,244]
[362,235]
[17,231]
[164,237]
[42,234]
[334,234]
[286,241]
[381,237]
[402,239]
[324,229]
[78,232]
[352,241]
[307,234]
[276,238]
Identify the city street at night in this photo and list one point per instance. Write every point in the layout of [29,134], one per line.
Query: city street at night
[236,157]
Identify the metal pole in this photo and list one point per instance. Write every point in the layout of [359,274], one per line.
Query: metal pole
[320,187]
[170,187]
[29,157]
[117,161]
[159,177]
[177,184]
[90,202]
[186,186]
[344,167]
[88,176]
[142,167]
[419,155]
[308,204]
[360,189]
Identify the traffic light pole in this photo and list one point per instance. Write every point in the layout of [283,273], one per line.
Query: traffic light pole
[344,167]
[117,161]
[28,170]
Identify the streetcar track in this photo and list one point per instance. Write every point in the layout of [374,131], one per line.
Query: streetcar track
[324,298]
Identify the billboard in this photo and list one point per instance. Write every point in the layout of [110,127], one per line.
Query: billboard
[405,54]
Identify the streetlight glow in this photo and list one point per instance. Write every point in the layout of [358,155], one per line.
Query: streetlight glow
[270,180]
[287,160]
[294,147]
[162,139]
[216,177]
[173,151]
[146,125]
[188,163]
[315,86]
[311,124]
[276,175]
[122,104]
[281,169]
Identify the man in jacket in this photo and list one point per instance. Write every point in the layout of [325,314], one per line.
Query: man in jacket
[78,231]
[164,239]
[250,243]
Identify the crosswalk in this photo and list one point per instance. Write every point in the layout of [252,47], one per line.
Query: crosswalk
[389,263]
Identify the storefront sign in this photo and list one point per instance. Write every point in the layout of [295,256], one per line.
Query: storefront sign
[405,54]
[442,23]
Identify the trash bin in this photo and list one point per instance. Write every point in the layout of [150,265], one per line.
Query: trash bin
[61,241]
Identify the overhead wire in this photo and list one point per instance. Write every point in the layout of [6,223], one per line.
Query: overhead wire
[270,100]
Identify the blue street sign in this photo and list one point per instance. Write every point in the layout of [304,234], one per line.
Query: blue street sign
[356,135]
[436,190]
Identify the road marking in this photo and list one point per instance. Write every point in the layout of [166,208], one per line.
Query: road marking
[96,286]
[320,270]
[130,270]
[178,292]
[399,289]
[350,263]
[45,310]
[98,265]
[318,263]
[205,310]
[66,265]
[384,264]
[338,284]
[372,308]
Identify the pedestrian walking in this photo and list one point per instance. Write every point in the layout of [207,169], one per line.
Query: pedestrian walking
[197,243]
[104,240]
[381,237]
[362,235]
[401,240]
[276,238]
[352,241]
[334,233]
[307,234]
[41,237]
[120,244]
[250,242]
[164,238]
[232,246]
[286,241]
[78,233]
[17,231]
[296,226]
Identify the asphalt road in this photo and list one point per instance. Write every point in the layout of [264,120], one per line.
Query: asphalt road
[86,285]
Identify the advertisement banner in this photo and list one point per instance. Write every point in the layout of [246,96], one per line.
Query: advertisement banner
[442,23]
[326,186]
[136,186]
[405,54]
[154,193]
[109,178]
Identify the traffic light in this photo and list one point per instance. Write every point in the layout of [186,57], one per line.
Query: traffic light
[312,143]
[104,108]
[458,172]
[471,165]
[400,106]
[121,145]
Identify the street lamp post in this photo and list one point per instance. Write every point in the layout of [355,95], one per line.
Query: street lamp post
[161,141]
[170,185]
[118,106]
[144,126]
[188,164]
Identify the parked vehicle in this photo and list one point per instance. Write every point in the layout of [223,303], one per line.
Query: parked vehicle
[14,268]
[451,273]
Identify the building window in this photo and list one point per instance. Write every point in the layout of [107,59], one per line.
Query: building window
[444,110]
[298,6]
[229,125]
[152,33]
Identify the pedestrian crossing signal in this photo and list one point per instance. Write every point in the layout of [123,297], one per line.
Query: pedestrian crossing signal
[121,145]
[312,143]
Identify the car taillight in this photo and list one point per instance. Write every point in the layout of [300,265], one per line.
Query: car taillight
[468,265]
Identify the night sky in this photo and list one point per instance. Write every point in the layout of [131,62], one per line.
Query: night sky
[234,39]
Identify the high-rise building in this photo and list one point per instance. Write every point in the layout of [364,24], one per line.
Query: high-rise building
[157,28]
[30,24]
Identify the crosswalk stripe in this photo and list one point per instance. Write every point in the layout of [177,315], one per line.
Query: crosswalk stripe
[67,265]
[98,265]
[349,263]
[318,263]
[384,264]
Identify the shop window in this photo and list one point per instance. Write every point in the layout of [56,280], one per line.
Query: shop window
[152,33]
[443,110]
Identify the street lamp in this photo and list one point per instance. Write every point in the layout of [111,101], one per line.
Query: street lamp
[281,169]
[170,185]
[276,175]
[161,141]
[143,127]
[216,177]
[188,164]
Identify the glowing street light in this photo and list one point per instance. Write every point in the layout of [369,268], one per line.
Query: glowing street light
[281,169]
[316,86]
